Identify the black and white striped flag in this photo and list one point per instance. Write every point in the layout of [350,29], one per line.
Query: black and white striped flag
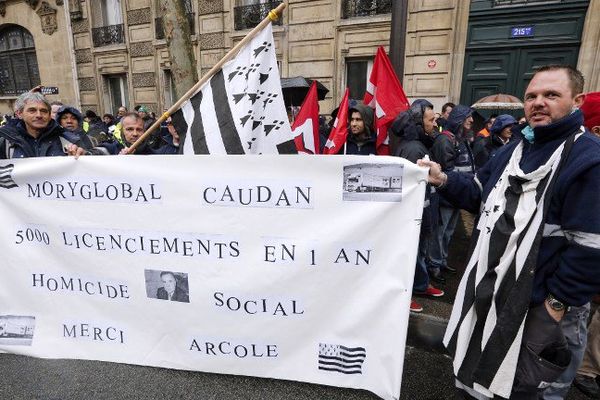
[240,110]
[485,330]
[338,358]
[6,180]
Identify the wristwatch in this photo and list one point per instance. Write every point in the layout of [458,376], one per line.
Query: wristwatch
[555,304]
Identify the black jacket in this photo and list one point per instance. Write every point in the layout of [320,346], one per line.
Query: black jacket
[22,145]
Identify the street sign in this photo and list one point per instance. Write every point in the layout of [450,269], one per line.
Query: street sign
[46,90]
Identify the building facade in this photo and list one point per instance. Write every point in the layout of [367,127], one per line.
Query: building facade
[35,48]
[455,50]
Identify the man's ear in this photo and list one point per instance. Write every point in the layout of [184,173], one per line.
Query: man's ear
[596,130]
[578,100]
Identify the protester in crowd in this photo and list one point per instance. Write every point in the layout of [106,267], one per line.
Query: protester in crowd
[144,114]
[414,128]
[591,112]
[55,106]
[500,134]
[588,372]
[36,134]
[133,129]
[446,110]
[171,290]
[455,154]
[362,135]
[485,131]
[522,120]
[120,114]
[108,120]
[536,252]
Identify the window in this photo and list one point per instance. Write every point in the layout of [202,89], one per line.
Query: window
[168,89]
[118,94]
[248,13]
[111,12]
[365,8]
[18,62]
[357,74]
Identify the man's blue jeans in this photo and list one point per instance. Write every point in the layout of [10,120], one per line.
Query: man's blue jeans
[574,327]
[440,240]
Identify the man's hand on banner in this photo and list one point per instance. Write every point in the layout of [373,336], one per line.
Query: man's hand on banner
[74,150]
[436,176]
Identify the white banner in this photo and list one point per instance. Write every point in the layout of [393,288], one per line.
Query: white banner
[274,266]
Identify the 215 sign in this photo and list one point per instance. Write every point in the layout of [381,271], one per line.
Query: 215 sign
[521,31]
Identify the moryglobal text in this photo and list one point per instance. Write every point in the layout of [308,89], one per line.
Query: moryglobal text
[271,193]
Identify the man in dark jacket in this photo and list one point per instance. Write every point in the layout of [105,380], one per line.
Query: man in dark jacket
[537,199]
[133,129]
[500,134]
[36,134]
[452,151]
[414,128]
[362,136]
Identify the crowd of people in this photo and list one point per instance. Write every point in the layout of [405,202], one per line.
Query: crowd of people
[39,128]
[519,323]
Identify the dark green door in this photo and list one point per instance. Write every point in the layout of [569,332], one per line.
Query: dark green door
[499,61]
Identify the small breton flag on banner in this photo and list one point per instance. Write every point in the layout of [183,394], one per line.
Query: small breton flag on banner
[6,180]
[338,358]
[240,110]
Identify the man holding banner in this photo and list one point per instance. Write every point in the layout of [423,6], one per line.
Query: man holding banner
[536,245]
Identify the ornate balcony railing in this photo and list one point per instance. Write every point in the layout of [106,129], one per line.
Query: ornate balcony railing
[497,3]
[365,8]
[159,29]
[106,35]
[247,17]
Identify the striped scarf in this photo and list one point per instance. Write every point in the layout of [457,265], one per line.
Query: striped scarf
[486,326]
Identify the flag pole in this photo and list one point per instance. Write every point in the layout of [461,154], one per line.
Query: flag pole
[273,15]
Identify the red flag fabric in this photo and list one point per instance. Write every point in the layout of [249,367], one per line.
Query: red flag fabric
[306,125]
[337,137]
[386,97]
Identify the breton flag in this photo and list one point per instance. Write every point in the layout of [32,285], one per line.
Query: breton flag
[337,136]
[240,110]
[6,180]
[386,96]
[306,125]
[337,358]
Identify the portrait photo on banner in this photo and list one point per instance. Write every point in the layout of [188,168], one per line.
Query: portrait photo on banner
[167,285]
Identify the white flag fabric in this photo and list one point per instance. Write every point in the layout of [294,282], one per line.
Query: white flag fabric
[265,266]
[240,110]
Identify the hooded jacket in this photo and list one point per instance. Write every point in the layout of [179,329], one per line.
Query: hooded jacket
[354,146]
[414,145]
[485,148]
[77,135]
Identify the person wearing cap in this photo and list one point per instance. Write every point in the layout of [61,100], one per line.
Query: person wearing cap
[500,134]
[591,112]
[589,371]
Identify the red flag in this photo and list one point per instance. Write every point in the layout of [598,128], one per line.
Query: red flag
[338,134]
[306,125]
[386,97]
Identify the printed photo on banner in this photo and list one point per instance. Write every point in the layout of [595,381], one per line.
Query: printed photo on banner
[167,285]
[373,182]
[16,330]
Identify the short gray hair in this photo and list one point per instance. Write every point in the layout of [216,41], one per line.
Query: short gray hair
[28,97]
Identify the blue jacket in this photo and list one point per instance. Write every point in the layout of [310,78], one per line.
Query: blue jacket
[568,265]
[23,145]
